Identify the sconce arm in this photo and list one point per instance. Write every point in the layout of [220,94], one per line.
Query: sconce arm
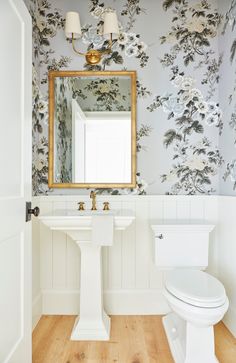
[93,56]
[74,48]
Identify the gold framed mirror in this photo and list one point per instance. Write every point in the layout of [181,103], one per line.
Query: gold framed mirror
[92,129]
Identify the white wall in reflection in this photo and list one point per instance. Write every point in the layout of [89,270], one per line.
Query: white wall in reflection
[101,146]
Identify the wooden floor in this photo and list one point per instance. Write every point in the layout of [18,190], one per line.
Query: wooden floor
[134,339]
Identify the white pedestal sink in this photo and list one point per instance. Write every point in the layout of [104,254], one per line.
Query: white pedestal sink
[92,323]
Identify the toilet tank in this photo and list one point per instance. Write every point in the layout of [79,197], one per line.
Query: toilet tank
[181,243]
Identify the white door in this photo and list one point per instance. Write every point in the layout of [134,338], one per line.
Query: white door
[15,182]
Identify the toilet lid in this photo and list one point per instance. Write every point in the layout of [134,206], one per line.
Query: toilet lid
[195,287]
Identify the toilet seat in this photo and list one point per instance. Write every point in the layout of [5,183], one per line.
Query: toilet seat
[196,288]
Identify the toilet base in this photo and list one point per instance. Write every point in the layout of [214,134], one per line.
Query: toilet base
[189,343]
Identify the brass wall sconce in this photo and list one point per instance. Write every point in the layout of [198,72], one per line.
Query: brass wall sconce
[73,32]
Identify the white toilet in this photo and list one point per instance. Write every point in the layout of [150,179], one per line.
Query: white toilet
[198,300]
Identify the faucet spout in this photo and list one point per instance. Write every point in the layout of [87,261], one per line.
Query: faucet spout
[93,197]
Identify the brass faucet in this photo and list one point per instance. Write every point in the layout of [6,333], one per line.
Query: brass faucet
[93,197]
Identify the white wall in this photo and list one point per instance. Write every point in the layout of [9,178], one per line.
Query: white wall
[132,283]
[227,253]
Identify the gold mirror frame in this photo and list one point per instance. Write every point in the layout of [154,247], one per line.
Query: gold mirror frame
[51,76]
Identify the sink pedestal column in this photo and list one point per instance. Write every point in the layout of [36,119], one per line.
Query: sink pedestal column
[92,323]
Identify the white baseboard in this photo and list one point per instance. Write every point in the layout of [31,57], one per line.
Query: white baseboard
[135,302]
[230,320]
[36,310]
[116,302]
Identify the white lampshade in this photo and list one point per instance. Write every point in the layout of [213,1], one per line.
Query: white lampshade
[72,25]
[110,23]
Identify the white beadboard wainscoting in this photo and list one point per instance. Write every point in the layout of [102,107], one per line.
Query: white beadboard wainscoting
[132,283]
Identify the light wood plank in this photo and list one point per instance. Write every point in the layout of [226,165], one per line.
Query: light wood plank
[134,339]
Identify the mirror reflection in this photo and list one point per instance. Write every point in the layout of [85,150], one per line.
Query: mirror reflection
[93,129]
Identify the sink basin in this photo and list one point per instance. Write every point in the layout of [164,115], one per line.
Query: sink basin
[82,220]
[92,323]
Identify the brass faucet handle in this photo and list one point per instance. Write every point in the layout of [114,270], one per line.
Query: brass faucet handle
[81,206]
[106,206]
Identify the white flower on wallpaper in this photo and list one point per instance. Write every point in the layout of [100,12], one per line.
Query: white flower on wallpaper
[185,83]
[131,44]
[213,114]
[91,36]
[173,105]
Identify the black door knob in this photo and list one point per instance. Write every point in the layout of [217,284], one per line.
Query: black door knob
[35,211]
[29,211]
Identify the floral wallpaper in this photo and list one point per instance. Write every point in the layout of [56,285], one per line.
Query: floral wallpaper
[63,130]
[227,45]
[102,94]
[186,111]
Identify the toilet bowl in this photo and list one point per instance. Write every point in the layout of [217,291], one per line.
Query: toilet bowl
[198,301]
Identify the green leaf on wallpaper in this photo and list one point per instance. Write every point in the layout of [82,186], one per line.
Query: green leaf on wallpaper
[170,136]
[204,42]
[163,39]
[198,13]
[204,180]
[200,151]
[168,3]
[182,120]
[45,41]
[197,127]
[188,58]
[233,51]
[114,57]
